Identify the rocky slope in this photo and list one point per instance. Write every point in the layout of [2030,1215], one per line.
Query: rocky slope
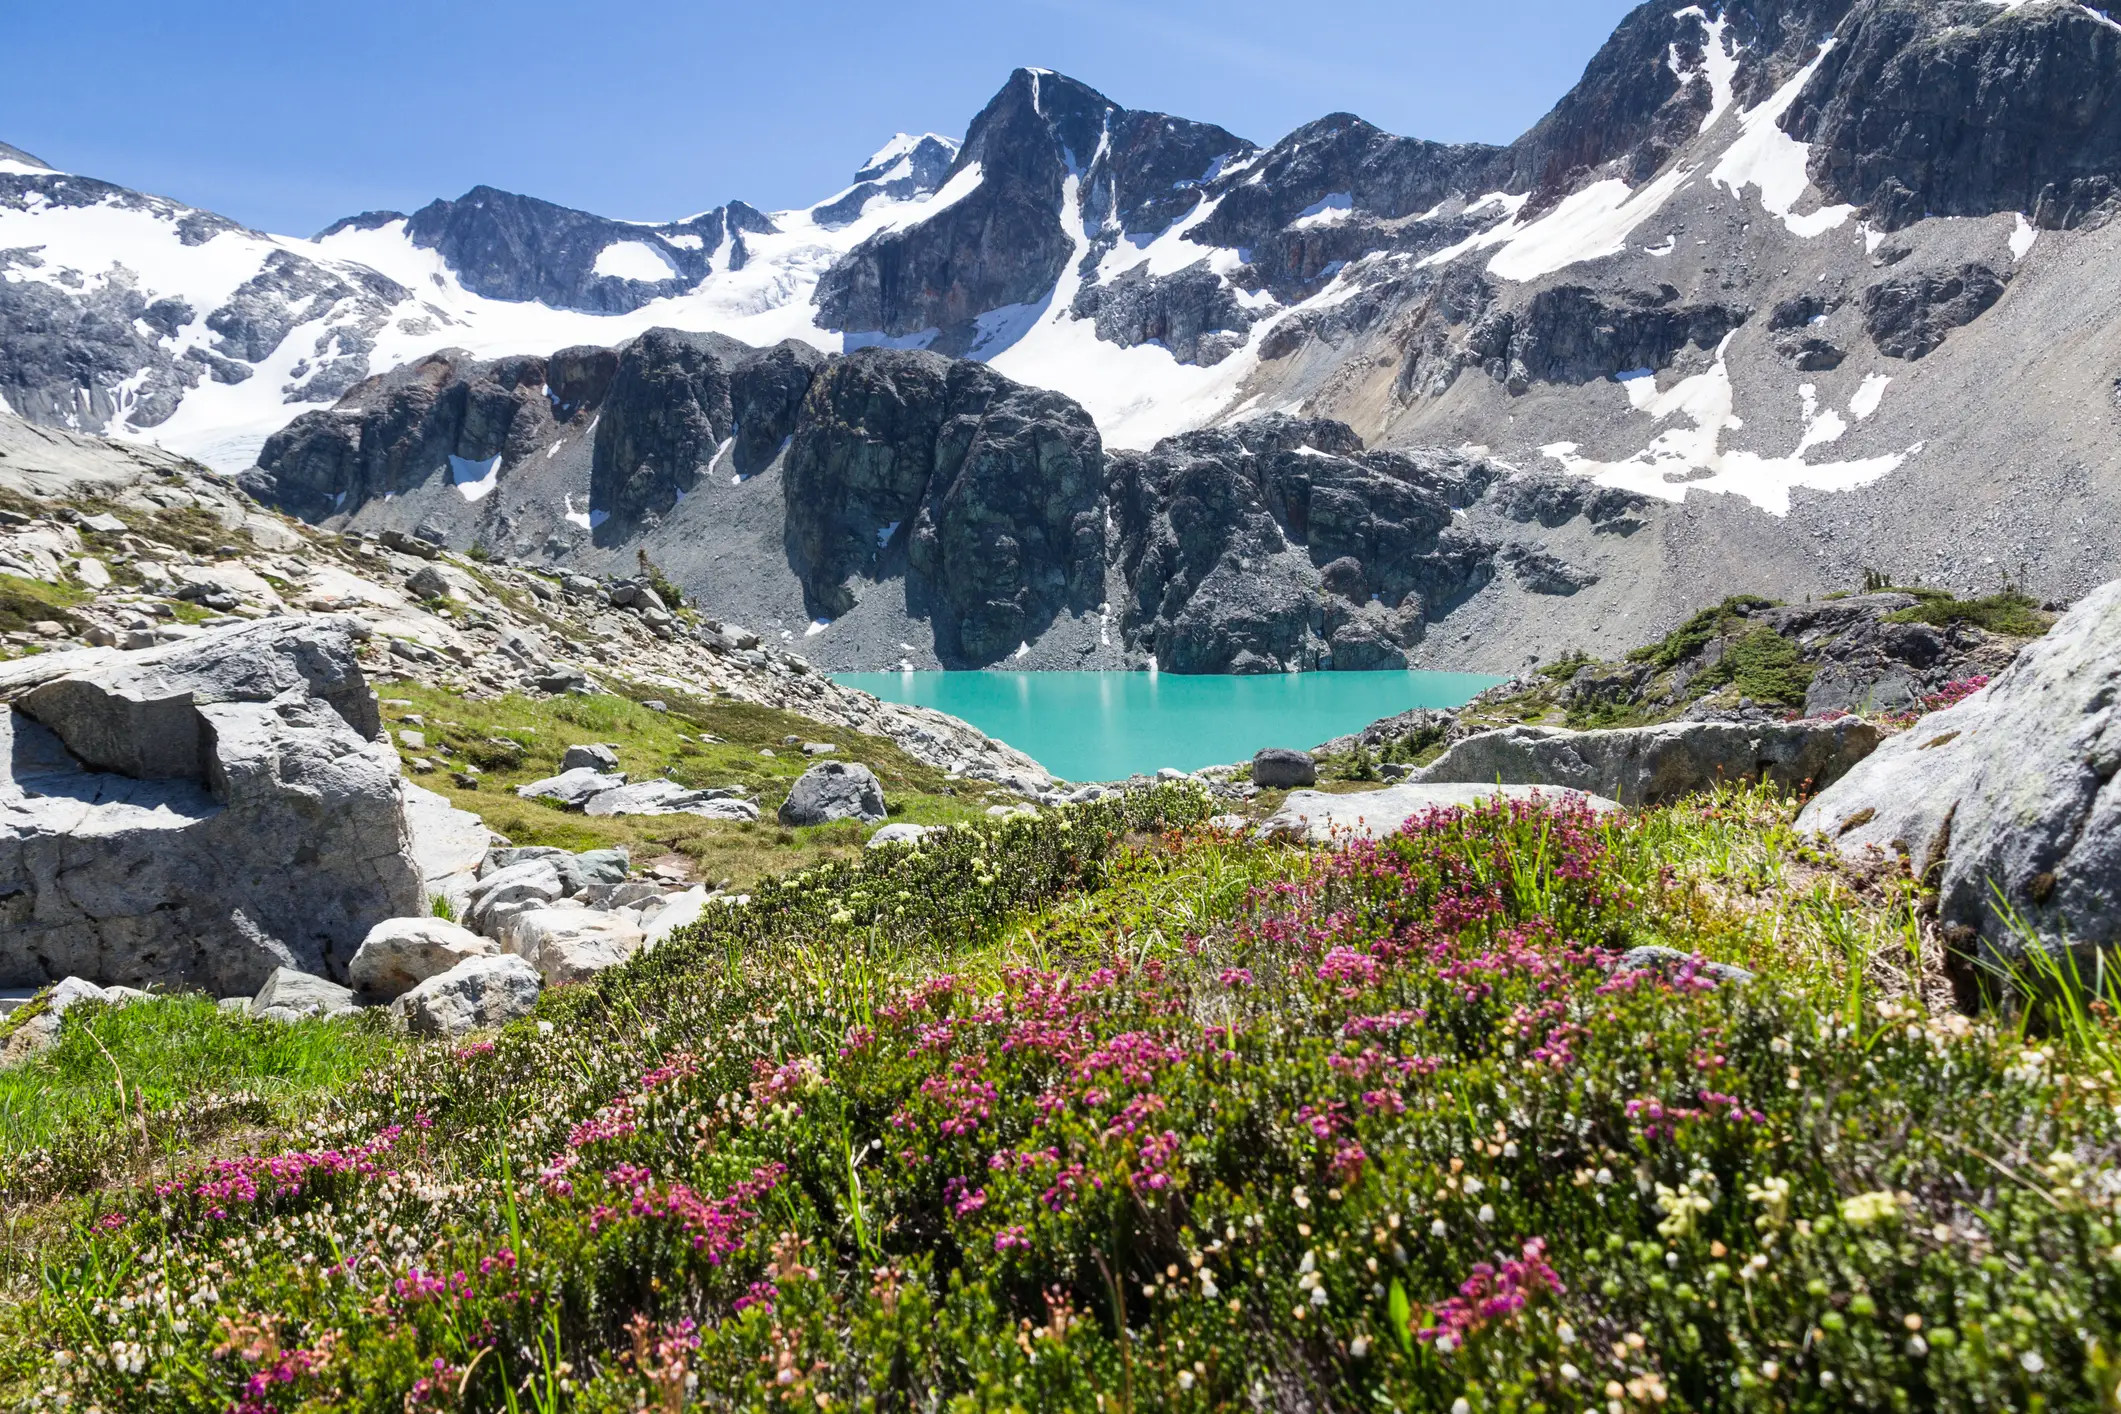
[1752,271]
[133,551]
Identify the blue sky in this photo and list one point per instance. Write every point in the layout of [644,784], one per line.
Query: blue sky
[288,115]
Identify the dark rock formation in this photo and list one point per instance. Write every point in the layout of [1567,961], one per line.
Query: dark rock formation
[1227,537]
[1002,243]
[765,396]
[1961,108]
[988,489]
[1574,334]
[1192,313]
[511,247]
[660,425]
[1909,315]
[399,430]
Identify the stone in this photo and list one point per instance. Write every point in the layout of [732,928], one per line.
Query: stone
[574,788]
[818,748]
[834,790]
[476,993]
[503,893]
[574,944]
[2011,792]
[1315,817]
[1230,824]
[447,844]
[1670,960]
[1653,765]
[669,798]
[104,524]
[440,581]
[200,813]
[401,953]
[680,910]
[596,756]
[901,833]
[93,573]
[1280,768]
[42,1030]
[292,994]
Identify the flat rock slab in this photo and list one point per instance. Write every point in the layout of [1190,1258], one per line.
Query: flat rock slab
[1319,818]
[573,789]
[1653,765]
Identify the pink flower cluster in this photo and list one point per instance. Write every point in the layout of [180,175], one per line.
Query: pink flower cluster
[1494,1294]
[248,1181]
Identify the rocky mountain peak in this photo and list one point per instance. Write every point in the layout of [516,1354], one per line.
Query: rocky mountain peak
[10,153]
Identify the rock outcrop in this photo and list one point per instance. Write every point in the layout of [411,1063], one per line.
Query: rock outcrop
[834,790]
[198,814]
[2006,802]
[1316,817]
[1280,543]
[477,992]
[400,953]
[982,492]
[1656,765]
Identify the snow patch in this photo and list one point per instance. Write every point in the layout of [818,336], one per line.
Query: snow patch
[475,480]
[635,260]
[688,240]
[1869,396]
[1326,211]
[1692,458]
[1719,63]
[1590,225]
[1766,157]
[2022,237]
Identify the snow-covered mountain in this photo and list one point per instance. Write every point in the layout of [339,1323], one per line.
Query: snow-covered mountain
[1829,284]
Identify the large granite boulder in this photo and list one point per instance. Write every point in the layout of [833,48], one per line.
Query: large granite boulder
[1652,765]
[834,790]
[198,814]
[1314,817]
[292,995]
[569,944]
[2006,802]
[1281,768]
[401,953]
[477,992]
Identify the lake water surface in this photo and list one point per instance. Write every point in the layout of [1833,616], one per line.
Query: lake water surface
[1104,726]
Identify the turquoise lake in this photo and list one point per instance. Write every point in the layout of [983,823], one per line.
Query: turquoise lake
[1104,726]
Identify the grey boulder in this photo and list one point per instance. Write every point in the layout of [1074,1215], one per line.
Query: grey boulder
[572,788]
[477,992]
[289,995]
[200,813]
[669,798]
[2006,802]
[594,755]
[899,834]
[1669,961]
[834,790]
[574,944]
[1315,817]
[1280,768]
[1653,765]
[401,953]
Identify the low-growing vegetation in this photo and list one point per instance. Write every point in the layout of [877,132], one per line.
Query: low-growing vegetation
[513,740]
[1108,1110]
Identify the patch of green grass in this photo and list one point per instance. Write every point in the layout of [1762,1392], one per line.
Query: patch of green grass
[117,1074]
[27,601]
[517,739]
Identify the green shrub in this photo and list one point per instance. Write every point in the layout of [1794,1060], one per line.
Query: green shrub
[1764,666]
[1692,636]
[2011,613]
